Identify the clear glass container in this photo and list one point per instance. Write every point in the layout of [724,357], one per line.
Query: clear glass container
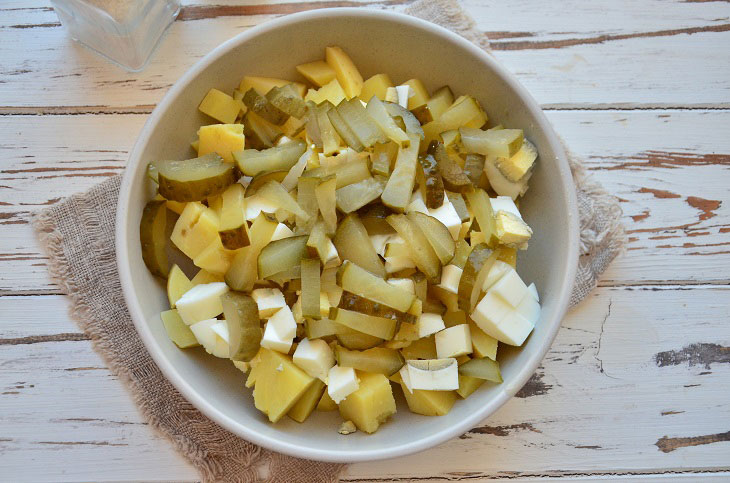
[124,31]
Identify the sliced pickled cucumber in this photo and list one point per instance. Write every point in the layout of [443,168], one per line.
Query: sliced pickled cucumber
[453,175]
[461,253]
[459,205]
[421,252]
[261,106]
[310,288]
[344,130]
[262,178]
[244,326]
[252,162]
[380,115]
[355,340]
[318,328]
[177,330]
[325,192]
[474,167]
[378,360]
[153,238]
[480,257]
[424,348]
[397,193]
[437,234]
[260,134]
[367,324]
[361,123]
[502,143]
[282,255]
[287,100]
[481,207]
[328,136]
[195,179]
[486,369]
[374,220]
[351,301]
[411,124]
[354,196]
[433,183]
[382,157]
[353,243]
[276,193]
[265,84]
[243,271]
[359,281]
[233,228]
[484,345]
[307,200]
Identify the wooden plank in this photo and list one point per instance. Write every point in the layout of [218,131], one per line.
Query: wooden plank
[562,62]
[626,389]
[667,167]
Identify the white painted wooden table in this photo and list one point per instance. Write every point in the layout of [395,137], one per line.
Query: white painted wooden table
[637,384]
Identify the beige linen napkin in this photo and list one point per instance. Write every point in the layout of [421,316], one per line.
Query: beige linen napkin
[78,235]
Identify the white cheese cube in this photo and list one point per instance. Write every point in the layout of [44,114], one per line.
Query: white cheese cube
[529,308]
[207,332]
[511,230]
[332,258]
[429,323]
[404,283]
[396,264]
[513,329]
[510,287]
[269,301]
[489,312]
[405,377]
[533,290]
[505,203]
[446,214]
[281,231]
[201,302]
[222,347]
[280,331]
[403,92]
[450,278]
[434,374]
[341,382]
[315,357]
[256,204]
[453,342]
[417,203]
[497,271]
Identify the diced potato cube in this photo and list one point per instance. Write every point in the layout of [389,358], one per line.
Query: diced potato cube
[220,106]
[376,86]
[420,93]
[306,404]
[222,139]
[278,384]
[264,84]
[332,91]
[371,405]
[195,230]
[347,74]
[318,72]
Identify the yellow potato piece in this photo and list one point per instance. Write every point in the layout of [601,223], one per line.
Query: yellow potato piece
[347,74]
[371,405]
[467,385]
[306,404]
[222,139]
[421,93]
[278,383]
[220,106]
[376,86]
[332,91]
[195,229]
[177,284]
[318,72]
[326,403]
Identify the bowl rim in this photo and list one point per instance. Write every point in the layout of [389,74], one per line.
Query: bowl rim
[335,455]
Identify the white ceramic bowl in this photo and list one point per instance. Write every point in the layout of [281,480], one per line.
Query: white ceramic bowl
[403,47]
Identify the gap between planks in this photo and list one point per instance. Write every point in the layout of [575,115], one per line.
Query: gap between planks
[684,473]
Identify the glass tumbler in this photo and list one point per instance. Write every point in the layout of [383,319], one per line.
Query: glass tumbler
[124,31]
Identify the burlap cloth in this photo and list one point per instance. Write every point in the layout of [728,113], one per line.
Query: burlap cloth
[78,235]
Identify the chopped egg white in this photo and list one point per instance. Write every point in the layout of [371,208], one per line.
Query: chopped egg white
[434,374]
[341,382]
[429,323]
[280,331]
[268,300]
[315,357]
[201,302]
[404,283]
[281,231]
[450,278]
[446,214]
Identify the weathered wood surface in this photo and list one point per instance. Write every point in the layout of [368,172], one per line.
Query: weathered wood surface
[635,385]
